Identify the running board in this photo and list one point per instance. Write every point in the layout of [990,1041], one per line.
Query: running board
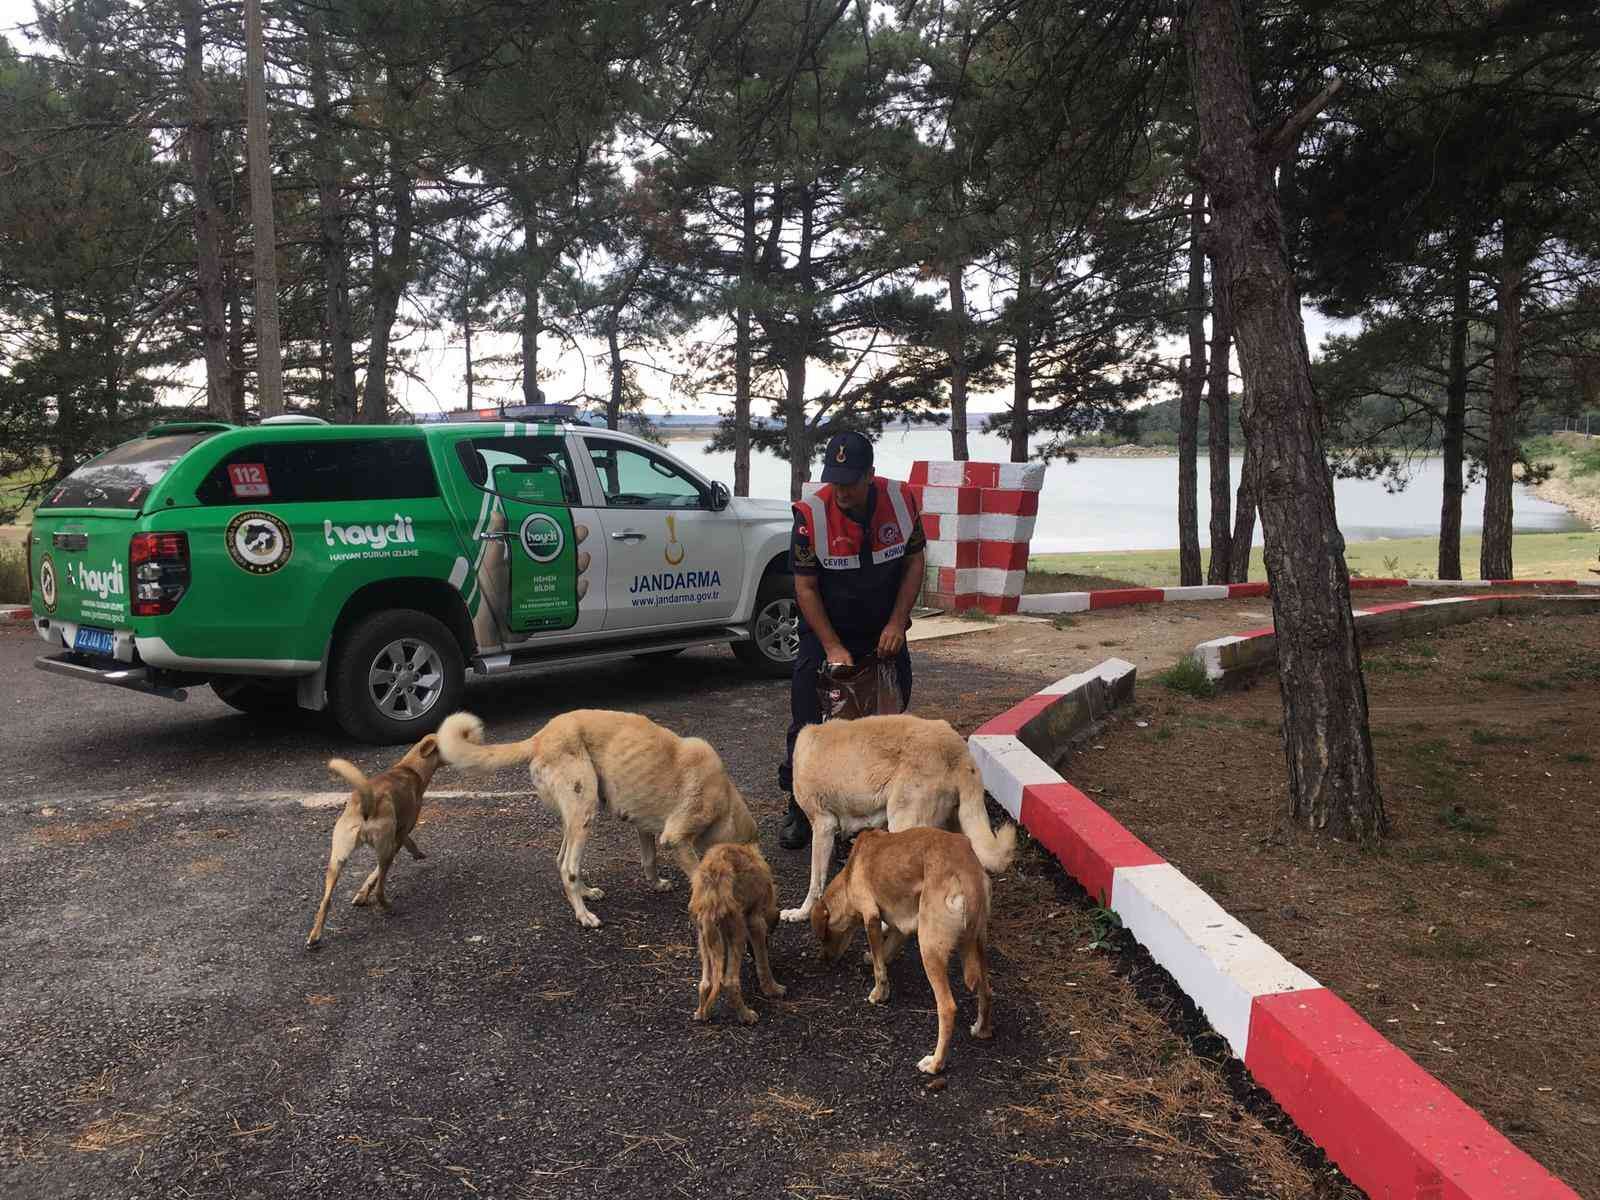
[506,664]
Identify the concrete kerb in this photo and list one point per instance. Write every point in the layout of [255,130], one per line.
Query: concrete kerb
[1394,1130]
[1050,603]
[16,614]
[1229,660]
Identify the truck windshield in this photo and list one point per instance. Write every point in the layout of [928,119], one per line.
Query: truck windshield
[123,477]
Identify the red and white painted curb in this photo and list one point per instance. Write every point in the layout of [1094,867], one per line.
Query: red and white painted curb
[16,614]
[1394,1130]
[1235,655]
[1046,603]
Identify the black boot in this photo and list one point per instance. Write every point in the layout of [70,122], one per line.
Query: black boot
[796,828]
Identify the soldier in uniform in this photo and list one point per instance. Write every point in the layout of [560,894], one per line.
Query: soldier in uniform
[857,555]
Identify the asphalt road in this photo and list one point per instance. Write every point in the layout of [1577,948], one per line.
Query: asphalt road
[163,1032]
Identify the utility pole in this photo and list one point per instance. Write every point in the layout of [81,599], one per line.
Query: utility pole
[269,358]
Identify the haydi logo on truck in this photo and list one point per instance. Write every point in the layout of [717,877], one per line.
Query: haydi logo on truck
[105,584]
[371,541]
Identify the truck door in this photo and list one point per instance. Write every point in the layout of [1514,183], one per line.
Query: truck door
[537,560]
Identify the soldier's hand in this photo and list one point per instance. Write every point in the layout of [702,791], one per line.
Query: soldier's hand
[892,640]
[840,657]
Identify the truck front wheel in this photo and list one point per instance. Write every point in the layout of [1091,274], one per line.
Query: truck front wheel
[395,676]
[774,629]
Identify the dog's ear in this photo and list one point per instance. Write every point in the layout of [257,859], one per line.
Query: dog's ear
[428,747]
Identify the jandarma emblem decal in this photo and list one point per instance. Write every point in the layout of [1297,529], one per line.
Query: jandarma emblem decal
[47,583]
[259,542]
[839,454]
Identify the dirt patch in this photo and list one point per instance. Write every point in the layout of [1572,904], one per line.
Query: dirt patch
[1468,936]
[76,833]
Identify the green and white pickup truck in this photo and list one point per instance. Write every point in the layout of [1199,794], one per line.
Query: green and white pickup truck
[366,569]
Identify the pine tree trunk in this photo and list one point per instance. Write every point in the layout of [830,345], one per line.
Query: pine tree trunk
[237,367]
[1244,522]
[1333,782]
[269,356]
[390,272]
[532,286]
[1022,375]
[958,362]
[1453,436]
[741,338]
[466,320]
[207,216]
[1219,450]
[614,351]
[799,432]
[1194,376]
[1505,399]
[331,242]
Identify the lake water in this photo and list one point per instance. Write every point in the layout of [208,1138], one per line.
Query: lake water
[1132,503]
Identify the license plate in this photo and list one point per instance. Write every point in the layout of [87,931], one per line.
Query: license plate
[94,641]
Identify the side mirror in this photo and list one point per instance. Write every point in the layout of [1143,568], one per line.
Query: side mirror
[720,497]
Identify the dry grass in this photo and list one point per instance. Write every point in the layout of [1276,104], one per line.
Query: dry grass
[1117,1063]
[777,1110]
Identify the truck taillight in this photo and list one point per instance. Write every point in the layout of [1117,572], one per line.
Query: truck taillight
[159,566]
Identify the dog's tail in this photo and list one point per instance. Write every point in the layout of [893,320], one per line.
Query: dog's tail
[994,850]
[461,744]
[358,782]
[711,889]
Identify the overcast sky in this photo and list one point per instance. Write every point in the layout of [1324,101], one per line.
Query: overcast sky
[440,359]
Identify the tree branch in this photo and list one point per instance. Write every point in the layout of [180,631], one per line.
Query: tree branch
[1274,145]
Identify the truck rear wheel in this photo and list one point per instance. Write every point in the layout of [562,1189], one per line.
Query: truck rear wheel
[257,697]
[774,629]
[395,676]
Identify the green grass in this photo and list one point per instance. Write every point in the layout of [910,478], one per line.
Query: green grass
[978,615]
[13,575]
[1536,555]
[1188,676]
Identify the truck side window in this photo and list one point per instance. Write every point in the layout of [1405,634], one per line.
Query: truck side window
[531,469]
[322,472]
[634,478]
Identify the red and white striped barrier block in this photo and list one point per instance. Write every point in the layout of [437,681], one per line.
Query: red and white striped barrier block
[1395,1130]
[1022,477]
[16,614]
[979,518]
[1069,602]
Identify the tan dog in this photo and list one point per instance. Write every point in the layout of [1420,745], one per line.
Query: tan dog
[731,898]
[673,790]
[381,813]
[895,771]
[926,882]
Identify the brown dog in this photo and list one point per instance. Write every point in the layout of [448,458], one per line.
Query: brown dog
[894,771]
[381,813]
[732,897]
[919,881]
[673,790]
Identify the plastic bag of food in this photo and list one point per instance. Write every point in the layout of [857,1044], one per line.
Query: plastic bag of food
[869,688]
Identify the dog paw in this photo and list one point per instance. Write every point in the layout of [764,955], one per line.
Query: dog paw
[663,885]
[311,943]
[980,1030]
[588,920]
[594,893]
[794,914]
[361,900]
[748,1016]
[879,994]
[700,1016]
[930,1065]
[776,992]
